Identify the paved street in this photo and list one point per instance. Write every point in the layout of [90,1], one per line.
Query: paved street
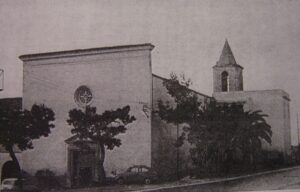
[284,180]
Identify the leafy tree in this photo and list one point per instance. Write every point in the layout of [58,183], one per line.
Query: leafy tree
[102,129]
[182,111]
[186,103]
[20,127]
[218,132]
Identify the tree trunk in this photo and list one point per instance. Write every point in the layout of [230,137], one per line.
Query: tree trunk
[100,156]
[177,153]
[101,171]
[247,159]
[16,162]
[13,157]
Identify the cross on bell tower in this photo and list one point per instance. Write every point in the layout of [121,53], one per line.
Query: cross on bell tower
[227,74]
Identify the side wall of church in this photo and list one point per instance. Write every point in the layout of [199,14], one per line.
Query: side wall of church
[116,77]
[164,135]
[274,103]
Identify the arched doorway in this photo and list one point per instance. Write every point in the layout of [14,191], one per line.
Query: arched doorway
[9,170]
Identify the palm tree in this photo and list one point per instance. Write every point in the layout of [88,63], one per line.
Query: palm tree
[252,131]
[222,131]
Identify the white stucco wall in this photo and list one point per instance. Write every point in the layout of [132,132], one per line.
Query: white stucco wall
[117,76]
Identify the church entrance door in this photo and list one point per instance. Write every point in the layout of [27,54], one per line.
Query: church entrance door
[86,175]
[81,162]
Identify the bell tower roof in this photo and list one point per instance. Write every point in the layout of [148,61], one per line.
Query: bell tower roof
[227,57]
[228,75]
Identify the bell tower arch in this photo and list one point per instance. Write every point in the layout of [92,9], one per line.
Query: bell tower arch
[227,74]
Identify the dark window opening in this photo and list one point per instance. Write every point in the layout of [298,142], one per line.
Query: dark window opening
[225,81]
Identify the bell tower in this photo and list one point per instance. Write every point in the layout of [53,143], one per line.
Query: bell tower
[227,74]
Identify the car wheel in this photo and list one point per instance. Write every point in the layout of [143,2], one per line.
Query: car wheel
[120,181]
[148,181]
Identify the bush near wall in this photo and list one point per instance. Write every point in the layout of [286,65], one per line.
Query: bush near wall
[265,160]
[48,180]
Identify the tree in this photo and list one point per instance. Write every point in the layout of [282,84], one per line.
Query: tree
[252,130]
[186,105]
[225,133]
[101,129]
[20,127]
[218,132]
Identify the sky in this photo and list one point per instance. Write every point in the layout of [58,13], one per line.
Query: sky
[188,36]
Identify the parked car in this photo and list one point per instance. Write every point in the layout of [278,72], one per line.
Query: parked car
[137,174]
[13,185]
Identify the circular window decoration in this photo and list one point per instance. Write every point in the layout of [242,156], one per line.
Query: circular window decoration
[83,96]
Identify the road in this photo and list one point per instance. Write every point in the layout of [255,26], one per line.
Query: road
[284,180]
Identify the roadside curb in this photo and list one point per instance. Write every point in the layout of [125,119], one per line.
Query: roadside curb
[219,180]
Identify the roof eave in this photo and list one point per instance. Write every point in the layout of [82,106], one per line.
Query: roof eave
[84,52]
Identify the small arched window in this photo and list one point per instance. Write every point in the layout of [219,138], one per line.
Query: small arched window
[225,81]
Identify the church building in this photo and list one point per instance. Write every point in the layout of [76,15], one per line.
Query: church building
[228,87]
[105,78]
[113,77]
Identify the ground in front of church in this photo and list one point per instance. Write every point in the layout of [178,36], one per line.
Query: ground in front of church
[281,180]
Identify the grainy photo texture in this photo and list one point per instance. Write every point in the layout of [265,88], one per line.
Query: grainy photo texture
[156,95]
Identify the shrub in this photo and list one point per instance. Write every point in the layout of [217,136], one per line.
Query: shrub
[47,179]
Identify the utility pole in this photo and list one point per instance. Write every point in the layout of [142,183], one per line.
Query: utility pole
[298,127]
[1,79]
[298,155]
[177,154]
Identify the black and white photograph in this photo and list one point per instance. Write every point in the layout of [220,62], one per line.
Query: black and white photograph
[149,95]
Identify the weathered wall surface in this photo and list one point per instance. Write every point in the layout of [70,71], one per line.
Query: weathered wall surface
[117,76]
[274,103]
[164,135]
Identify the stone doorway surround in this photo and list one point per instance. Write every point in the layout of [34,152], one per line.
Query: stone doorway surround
[81,169]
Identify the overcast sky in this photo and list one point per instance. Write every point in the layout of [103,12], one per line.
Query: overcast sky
[188,36]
